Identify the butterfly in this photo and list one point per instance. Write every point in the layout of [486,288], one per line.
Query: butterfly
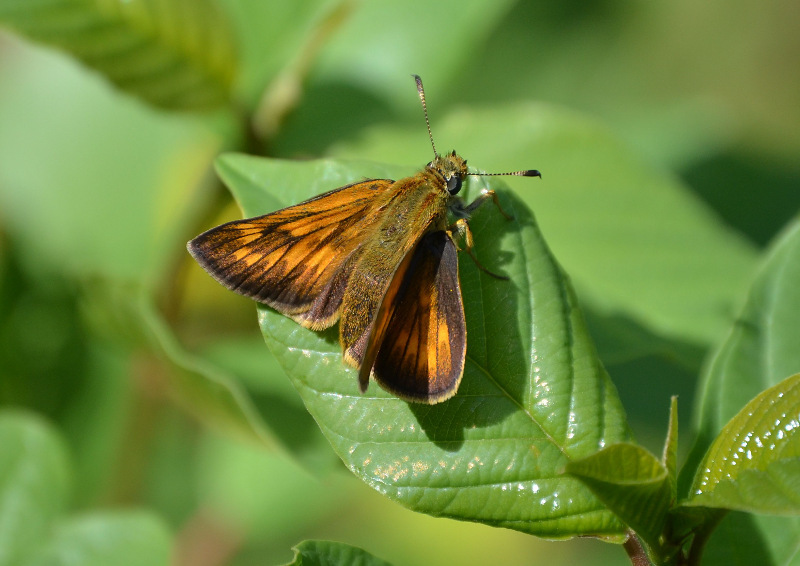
[380,257]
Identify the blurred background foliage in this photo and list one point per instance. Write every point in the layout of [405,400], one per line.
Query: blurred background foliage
[105,322]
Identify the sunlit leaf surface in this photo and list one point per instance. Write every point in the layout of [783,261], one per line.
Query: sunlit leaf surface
[754,465]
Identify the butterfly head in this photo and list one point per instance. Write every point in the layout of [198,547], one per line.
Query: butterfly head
[452,168]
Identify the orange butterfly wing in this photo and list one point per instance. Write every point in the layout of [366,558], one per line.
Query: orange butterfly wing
[296,259]
[418,344]
[417,205]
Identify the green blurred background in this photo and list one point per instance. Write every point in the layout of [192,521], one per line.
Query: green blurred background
[102,312]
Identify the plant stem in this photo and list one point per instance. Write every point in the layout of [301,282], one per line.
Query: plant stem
[635,550]
[701,538]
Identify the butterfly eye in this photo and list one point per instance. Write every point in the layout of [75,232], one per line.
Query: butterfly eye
[454,184]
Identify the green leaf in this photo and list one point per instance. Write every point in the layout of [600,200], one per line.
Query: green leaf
[94,140]
[202,388]
[173,54]
[127,313]
[754,465]
[272,35]
[34,484]
[413,42]
[328,553]
[243,484]
[632,483]
[636,242]
[131,538]
[34,487]
[274,398]
[761,348]
[669,458]
[534,395]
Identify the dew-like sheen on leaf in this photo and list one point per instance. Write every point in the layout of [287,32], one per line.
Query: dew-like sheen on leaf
[754,464]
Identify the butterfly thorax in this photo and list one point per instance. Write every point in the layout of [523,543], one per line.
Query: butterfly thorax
[451,169]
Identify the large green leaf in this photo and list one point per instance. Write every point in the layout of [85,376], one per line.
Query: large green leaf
[118,190]
[418,30]
[174,54]
[534,394]
[34,488]
[754,464]
[34,484]
[329,553]
[130,538]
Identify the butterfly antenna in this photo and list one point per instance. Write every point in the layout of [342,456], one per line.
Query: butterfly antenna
[525,173]
[421,92]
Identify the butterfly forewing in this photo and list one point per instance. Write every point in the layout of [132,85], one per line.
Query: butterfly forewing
[297,259]
[421,338]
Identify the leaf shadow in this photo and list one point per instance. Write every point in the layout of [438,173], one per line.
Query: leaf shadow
[740,539]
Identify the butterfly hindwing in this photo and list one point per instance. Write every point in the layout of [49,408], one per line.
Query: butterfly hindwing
[296,259]
[419,340]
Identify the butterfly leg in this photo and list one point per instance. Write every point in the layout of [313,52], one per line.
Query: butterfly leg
[485,195]
[461,229]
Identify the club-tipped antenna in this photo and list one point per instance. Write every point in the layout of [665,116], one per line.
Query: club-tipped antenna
[421,92]
[525,173]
